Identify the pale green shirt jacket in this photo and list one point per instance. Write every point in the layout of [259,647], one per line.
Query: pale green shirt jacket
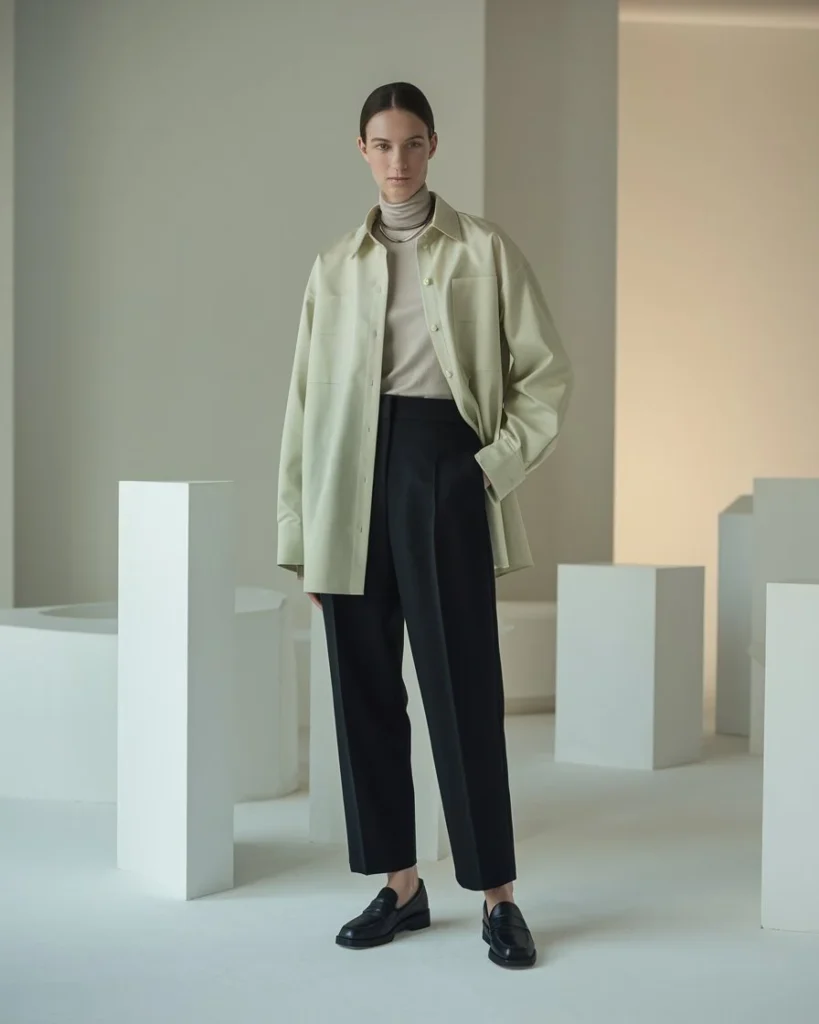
[498,348]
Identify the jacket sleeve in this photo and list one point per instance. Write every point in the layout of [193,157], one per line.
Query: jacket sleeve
[539,381]
[290,554]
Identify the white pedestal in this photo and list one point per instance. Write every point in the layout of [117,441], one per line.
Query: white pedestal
[175,685]
[326,806]
[629,665]
[785,547]
[735,588]
[528,631]
[790,825]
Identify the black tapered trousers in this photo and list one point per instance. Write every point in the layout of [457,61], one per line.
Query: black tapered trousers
[430,565]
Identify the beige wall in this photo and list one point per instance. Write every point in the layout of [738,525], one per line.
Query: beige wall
[551,166]
[718,328]
[180,163]
[6,302]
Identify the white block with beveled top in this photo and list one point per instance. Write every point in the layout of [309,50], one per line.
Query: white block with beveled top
[175,684]
[735,588]
[790,824]
[629,665]
[326,805]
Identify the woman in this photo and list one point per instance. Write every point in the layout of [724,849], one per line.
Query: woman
[428,382]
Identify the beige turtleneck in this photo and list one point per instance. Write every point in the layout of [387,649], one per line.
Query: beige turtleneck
[410,365]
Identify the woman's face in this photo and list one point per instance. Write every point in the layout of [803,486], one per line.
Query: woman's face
[398,150]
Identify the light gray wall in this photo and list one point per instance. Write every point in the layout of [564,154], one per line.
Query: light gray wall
[6,302]
[551,181]
[179,164]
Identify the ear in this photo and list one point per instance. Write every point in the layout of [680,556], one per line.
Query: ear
[433,145]
[362,147]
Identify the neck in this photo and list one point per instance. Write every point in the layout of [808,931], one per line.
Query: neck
[411,213]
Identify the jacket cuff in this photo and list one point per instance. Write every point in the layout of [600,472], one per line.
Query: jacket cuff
[503,466]
[290,546]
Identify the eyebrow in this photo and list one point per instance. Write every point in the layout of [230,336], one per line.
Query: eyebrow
[410,139]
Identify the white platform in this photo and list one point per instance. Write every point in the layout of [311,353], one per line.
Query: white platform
[735,589]
[629,665]
[785,547]
[175,682]
[326,807]
[58,700]
[790,822]
[528,634]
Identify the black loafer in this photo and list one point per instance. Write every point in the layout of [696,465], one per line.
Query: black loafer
[510,941]
[383,919]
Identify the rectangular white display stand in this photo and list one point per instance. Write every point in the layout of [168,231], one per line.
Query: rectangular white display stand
[785,547]
[735,587]
[790,823]
[629,665]
[175,685]
[326,807]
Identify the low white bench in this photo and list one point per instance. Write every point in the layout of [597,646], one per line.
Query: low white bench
[58,700]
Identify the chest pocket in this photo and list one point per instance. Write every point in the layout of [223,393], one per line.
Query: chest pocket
[475,308]
[327,341]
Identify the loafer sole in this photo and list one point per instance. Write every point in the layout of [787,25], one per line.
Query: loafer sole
[411,924]
[514,964]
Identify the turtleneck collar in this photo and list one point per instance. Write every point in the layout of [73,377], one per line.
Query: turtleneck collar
[410,214]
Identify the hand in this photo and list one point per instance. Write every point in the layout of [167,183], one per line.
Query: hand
[316,600]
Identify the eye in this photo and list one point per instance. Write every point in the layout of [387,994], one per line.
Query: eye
[381,145]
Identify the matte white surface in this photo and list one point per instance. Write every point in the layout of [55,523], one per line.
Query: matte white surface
[790,822]
[735,587]
[528,638]
[175,679]
[785,549]
[642,889]
[265,758]
[629,665]
[58,697]
[326,807]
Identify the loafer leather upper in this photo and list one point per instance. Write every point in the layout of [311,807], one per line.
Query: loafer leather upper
[383,917]
[508,935]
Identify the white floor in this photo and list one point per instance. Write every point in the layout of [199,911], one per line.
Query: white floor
[642,889]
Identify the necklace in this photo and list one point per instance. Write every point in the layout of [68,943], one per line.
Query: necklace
[409,238]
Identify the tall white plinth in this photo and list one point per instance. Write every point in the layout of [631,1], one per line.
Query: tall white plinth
[629,665]
[735,588]
[790,824]
[785,547]
[175,685]
[326,806]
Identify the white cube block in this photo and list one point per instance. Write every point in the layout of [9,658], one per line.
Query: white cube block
[175,685]
[528,631]
[785,547]
[735,588]
[790,824]
[629,665]
[326,805]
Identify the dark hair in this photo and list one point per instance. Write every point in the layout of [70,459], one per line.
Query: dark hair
[398,96]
